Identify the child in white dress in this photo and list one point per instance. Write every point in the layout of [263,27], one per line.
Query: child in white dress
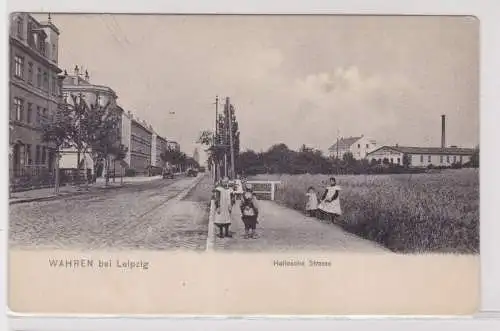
[311,202]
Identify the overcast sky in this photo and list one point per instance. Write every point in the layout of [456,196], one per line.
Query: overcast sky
[293,79]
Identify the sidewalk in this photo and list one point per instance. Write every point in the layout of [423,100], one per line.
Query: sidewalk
[70,190]
[284,229]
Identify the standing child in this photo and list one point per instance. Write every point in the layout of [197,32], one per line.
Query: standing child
[312,202]
[249,211]
[223,207]
[330,201]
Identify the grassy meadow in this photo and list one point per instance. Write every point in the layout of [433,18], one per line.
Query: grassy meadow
[432,212]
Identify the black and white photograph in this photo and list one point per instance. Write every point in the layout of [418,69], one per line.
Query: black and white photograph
[340,133]
[209,134]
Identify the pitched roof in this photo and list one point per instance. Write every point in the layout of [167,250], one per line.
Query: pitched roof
[345,143]
[429,150]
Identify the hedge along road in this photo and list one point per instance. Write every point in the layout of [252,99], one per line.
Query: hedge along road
[139,216]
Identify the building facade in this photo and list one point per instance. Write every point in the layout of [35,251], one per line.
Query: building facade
[34,93]
[159,146]
[141,137]
[78,85]
[359,147]
[421,156]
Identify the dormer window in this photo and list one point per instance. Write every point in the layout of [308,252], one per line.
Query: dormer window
[20,27]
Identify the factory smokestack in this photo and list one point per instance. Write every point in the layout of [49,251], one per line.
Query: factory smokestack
[443,131]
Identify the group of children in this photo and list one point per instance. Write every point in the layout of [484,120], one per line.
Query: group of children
[226,195]
[328,206]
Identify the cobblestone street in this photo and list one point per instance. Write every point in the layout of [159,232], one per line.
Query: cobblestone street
[140,216]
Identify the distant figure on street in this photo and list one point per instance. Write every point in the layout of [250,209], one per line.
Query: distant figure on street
[311,202]
[223,207]
[249,211]
[330,201]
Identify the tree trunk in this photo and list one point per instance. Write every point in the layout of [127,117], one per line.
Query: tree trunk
[106,166]
[56,184]
[85,172]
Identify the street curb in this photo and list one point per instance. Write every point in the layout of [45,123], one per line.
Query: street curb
[57,197]
[210,235]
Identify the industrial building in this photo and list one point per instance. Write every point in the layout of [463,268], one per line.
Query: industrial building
[423,156]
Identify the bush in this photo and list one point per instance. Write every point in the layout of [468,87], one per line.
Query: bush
[130,172]
[434,212]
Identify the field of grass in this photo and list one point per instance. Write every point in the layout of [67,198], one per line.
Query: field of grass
[433,212]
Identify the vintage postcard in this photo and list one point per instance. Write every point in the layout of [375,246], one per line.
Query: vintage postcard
[243,164]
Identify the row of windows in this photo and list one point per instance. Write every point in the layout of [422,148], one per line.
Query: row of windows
[28,117]
[441,158]
[42,76]
[25,154]
[141,140]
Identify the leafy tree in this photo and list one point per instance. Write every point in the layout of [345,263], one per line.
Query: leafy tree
[91,129]
[56,131]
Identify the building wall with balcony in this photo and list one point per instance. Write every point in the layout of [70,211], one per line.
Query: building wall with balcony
[34,93]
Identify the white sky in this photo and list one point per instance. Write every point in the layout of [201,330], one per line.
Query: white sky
[292,79]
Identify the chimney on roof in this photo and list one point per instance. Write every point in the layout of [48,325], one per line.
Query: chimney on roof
[77,70]
[87,75]
[443,131]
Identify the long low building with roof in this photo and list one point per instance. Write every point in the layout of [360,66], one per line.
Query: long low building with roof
[421,156]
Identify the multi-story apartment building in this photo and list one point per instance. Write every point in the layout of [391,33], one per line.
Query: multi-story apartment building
[159,145]
[359,147]
[34,94]
[78,85]
[141,135]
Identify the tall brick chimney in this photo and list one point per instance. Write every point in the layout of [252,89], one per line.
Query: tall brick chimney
[443,131]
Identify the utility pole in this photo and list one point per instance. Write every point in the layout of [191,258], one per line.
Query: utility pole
[216,137]
[338,160]
[230,120]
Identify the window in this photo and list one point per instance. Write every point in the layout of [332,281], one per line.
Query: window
[54,53]
[421,158]
[454,159]
[461,159]
[429,158]
[440,159]
[28,154]
[45,80]
[41,45]
[399,160]
[18,108]
[38,114]
[447,158]
[20,25]
[37,155]
[29,115]
[359,145]
[39,77]
[53,89]
[367,146]
[44,155]
[19,66]
[30,72]
[392,160]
